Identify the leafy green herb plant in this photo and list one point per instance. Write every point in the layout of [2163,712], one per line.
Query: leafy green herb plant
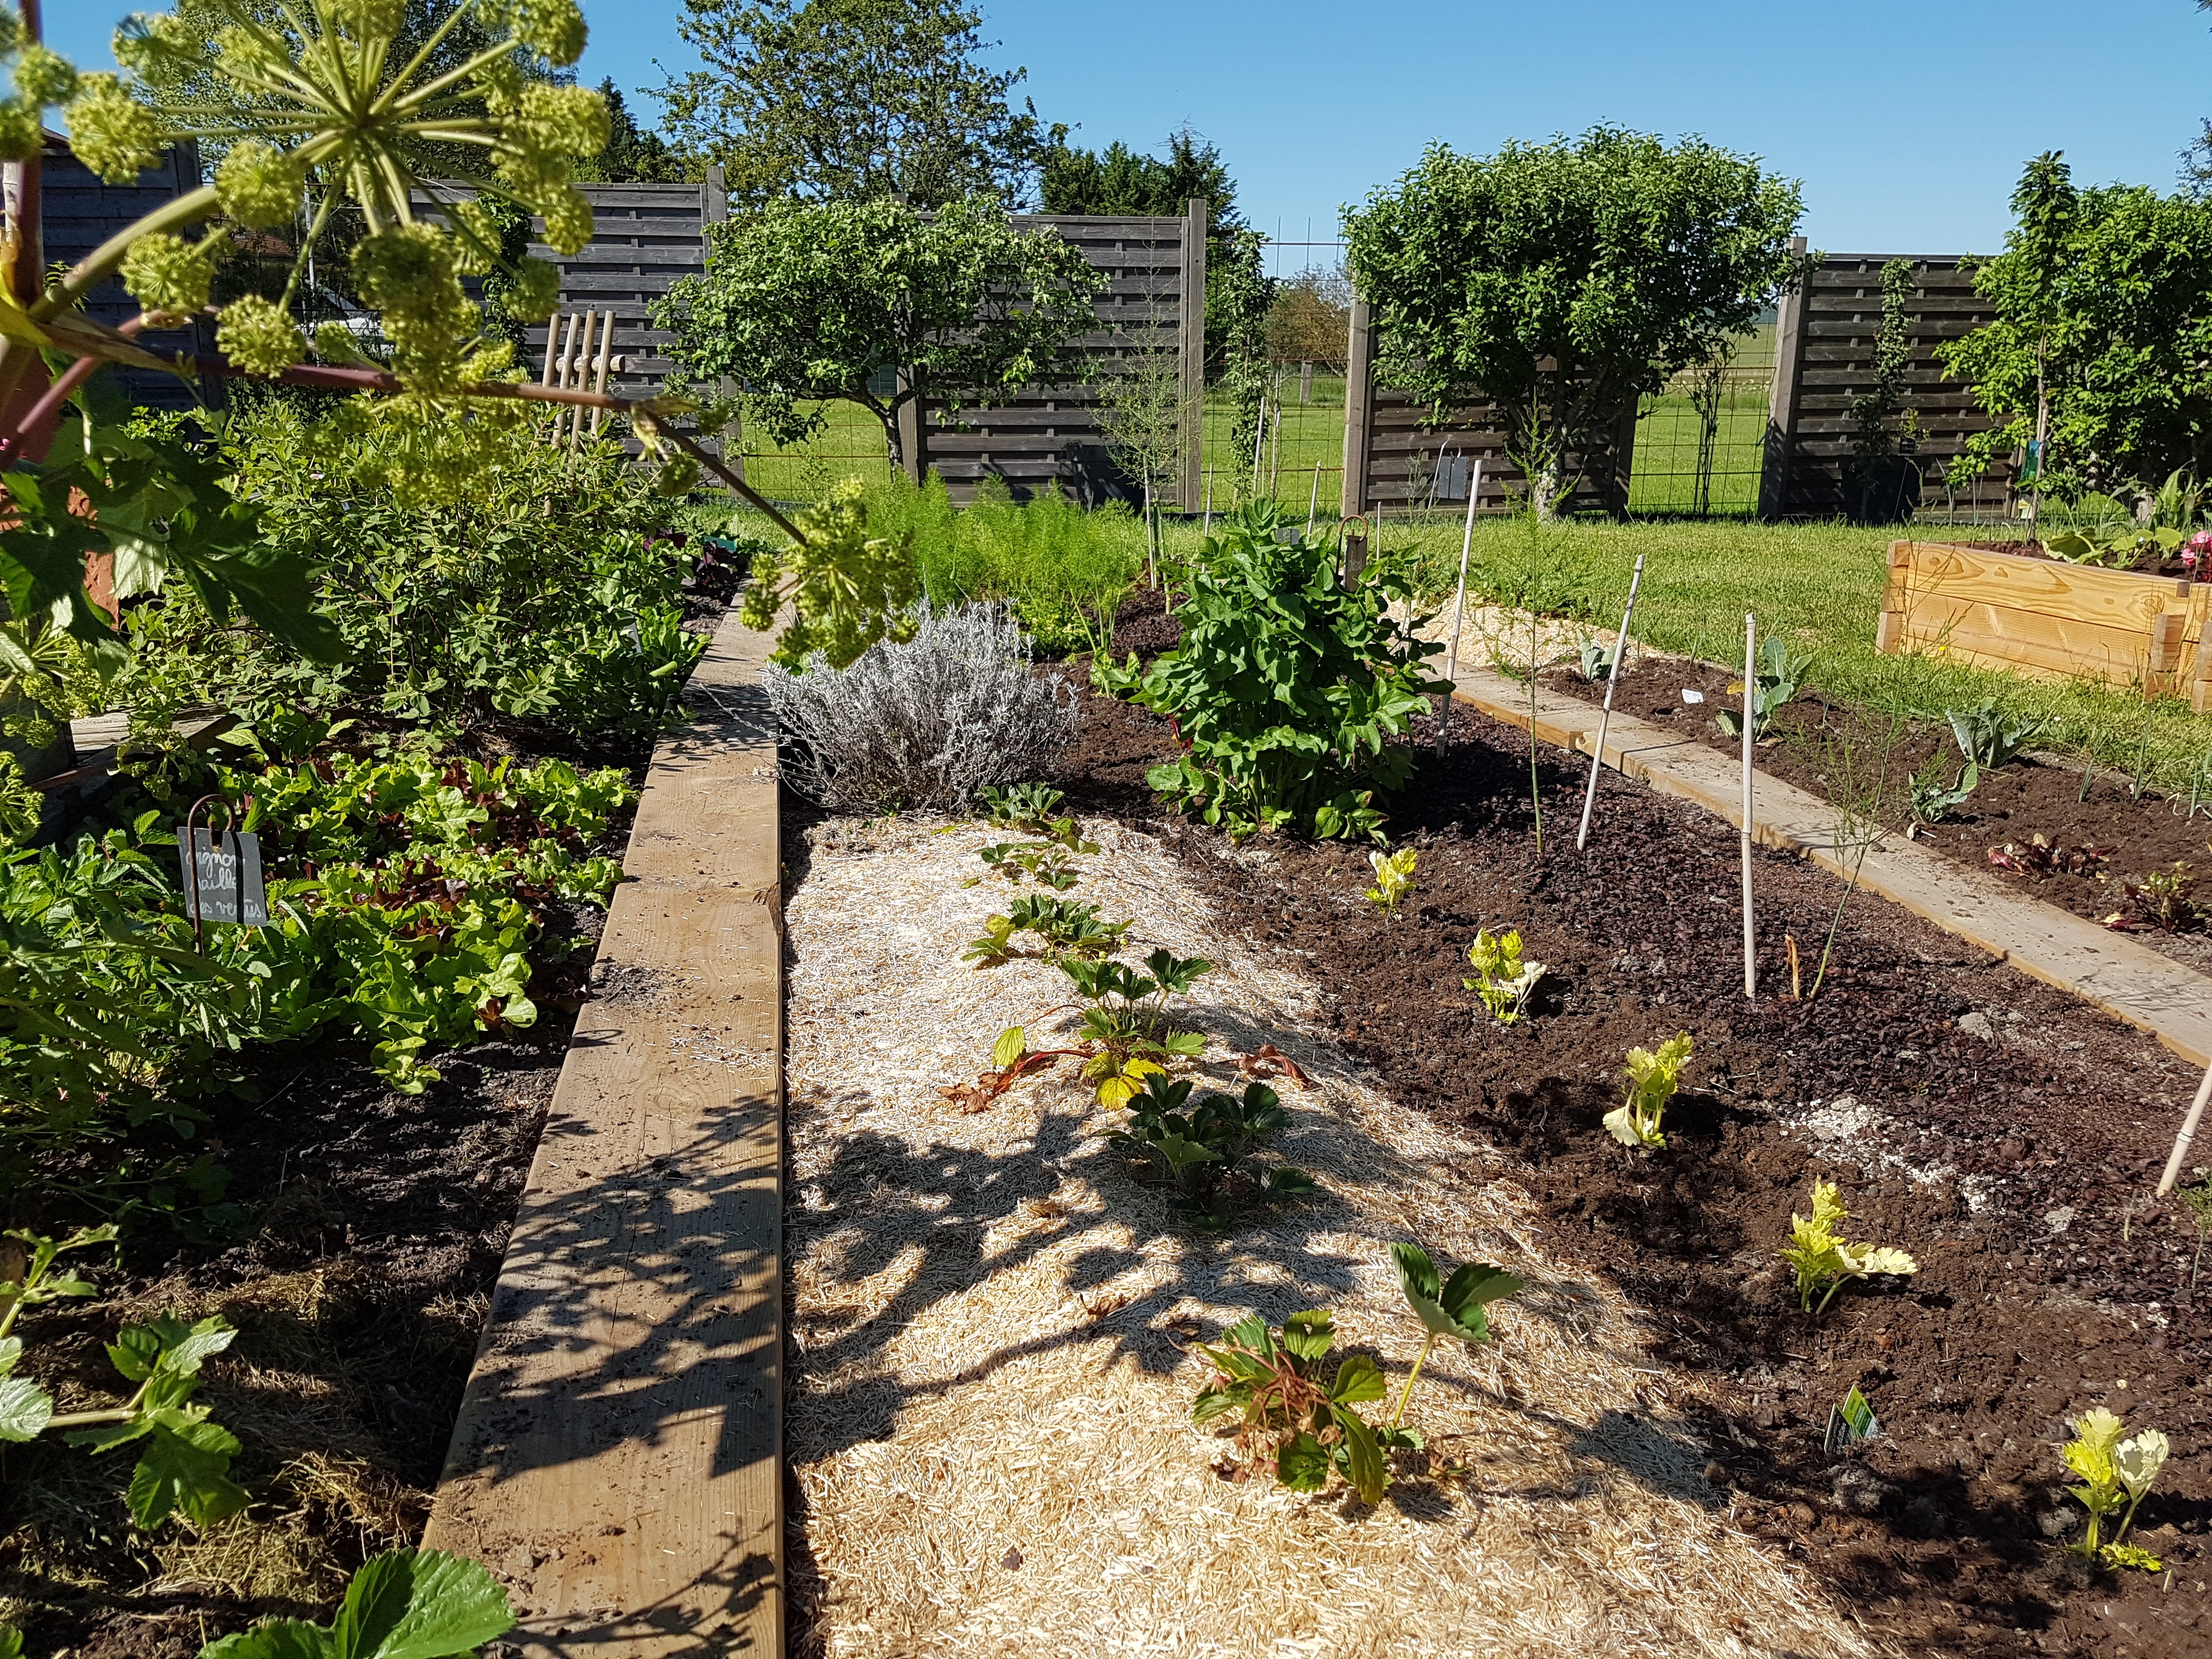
[1288,1413]
[2114,1473]
[1502,980]
[1824,1261]
[1988,738]
[185,1469]
[403,1604]
[1934,800]
[1453,1307]
[1653,1075]
[1394,879]
[1201,1147]
[1781,677]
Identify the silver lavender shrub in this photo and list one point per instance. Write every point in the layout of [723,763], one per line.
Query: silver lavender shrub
[923,724]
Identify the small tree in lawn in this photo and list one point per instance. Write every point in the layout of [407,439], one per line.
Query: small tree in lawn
[1140,413]
[807,303]
[1562,280]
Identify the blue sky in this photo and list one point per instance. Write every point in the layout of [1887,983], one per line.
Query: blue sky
[1906,122]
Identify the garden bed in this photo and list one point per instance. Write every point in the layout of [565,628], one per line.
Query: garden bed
[2001,1131]
[2073,805]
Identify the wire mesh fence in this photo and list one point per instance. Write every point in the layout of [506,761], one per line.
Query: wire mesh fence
[1701,438]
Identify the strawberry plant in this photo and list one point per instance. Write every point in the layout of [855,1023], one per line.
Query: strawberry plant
[1824,1261]
[1453,1307]
[1044,862]
[403,1604]
[1125,1018]
[1394,879]
[1063,928]
[1502,979]
[1652,1078]
[1030,807]
[1287,1410]
[2113,1473]
[1200,1147]
[1011,1059]
[1288,685]
[185,1467]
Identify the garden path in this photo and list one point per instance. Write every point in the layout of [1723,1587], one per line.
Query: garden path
[617,1459]
[2127,980]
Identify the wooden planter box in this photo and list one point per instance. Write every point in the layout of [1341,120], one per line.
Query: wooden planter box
[2048,619]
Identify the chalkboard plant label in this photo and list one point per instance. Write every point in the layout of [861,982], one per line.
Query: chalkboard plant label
[222,877]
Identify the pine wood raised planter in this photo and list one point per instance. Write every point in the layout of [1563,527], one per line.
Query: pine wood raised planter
[2048,619]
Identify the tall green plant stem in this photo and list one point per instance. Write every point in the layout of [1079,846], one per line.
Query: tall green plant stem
[1835,921]
[1412,1377]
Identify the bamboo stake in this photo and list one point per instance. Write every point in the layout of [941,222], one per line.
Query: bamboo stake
[1313,501]
[583,375]
[1750,707]
[605,365]
[1208,531]
[1466,546]
[2188,1134]
[556,365]
[1605,714]
[1259,444]
[1275,455]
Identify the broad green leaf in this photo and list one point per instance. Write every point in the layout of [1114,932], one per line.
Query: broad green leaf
[1621,1122]
[25,1408]
[1357,1379]
[420,1604]
[186,1473]
[1364,1463]
[11,1643]
[11,1353]
[1181,1153]
[1303,1463]
[1476,1283]
[1211,1403]
[1311,1334]
[1012,1044]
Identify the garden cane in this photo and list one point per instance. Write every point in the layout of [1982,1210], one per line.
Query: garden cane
[1750,717]
[2188,1134]
[1605,713]
[1459,602]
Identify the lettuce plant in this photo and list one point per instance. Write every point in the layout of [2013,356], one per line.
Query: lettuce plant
[1502,979]
[1201,1148]
[1824,1261]
[403,1604]
[1652,1078]
[1288,1411]
[185,1469]
[1453,1307]
[1394,879]
[2113,1472]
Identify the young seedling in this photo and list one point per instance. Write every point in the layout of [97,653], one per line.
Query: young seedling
[1652,1078]
[1287,1411]
[1043,862]
[2164,899]
[1200,1148]
[2039,858]
[1453,1308]
[1781,677]
[2198,1197]
[1063,928]
[1394,879]
[185,1466]
[1824,1261]
[1988,740]
[1028,806]
[1933,799]
[2114,1471]
[1502,979]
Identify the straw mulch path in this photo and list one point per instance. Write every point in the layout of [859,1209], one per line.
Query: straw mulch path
[988,1417]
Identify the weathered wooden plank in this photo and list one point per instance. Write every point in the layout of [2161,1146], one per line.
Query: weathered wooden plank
[617,1457]
[2110,599]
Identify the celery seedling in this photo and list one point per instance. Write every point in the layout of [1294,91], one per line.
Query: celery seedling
[1275,1386]
[1652,1078]
[2113,1472]
[1823,1258]
[1502,980]
[1453,1308]
[1394,879]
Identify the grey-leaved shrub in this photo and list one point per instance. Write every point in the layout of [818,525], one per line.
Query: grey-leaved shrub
[925,722]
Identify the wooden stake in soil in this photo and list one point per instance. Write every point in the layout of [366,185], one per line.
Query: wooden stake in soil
[1313,501]
[1459,602]
[1605,714]
[1750,715]
[2188,1134]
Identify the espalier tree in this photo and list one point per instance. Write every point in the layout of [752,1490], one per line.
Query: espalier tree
[320,113]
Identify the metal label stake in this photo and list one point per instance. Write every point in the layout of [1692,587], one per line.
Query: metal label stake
[1605,714]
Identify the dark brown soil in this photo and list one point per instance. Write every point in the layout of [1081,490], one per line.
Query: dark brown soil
[2003,1133]
[2070,806]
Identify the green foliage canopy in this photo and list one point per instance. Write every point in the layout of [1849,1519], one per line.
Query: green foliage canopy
[1566,278]
[804,302]
[633,153]
[2114,286]
[822,99]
